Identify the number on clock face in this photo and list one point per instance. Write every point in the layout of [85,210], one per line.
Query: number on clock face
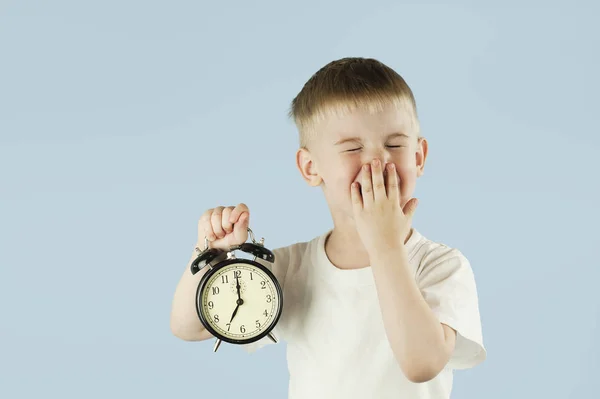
[220,299]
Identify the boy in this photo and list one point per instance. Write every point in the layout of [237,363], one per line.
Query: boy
[372,308]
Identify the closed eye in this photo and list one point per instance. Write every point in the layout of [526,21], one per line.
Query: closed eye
[389,146]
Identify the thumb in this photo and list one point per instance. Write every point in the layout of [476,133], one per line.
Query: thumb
[240,228]
[411,207]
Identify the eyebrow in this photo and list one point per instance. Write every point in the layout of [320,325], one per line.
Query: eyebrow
[356,138]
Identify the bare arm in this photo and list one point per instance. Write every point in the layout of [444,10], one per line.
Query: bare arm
[420,342]
[184,319]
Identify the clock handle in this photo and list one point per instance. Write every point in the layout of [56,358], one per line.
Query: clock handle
[262,240]
[205,243]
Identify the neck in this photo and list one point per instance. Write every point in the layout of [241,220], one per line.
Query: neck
[345,250]
[344,247]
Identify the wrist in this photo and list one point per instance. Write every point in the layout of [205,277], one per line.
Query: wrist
[383,254]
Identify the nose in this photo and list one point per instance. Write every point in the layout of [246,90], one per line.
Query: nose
[383,156]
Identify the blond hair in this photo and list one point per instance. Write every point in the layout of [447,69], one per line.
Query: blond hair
[345,85]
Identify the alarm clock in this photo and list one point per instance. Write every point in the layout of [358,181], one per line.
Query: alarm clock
[238,300]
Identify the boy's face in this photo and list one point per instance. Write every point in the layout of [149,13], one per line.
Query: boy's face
[343,144]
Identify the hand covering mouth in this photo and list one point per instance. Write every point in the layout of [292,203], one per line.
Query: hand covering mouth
[358,177]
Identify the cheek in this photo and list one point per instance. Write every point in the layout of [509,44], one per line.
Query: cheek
[408,180]
[339,173]
[347,171]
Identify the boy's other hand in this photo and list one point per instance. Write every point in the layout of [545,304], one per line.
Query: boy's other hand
[380,220]
[224,226]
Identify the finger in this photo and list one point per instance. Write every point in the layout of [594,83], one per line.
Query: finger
[240,228]
[378,181]
[355,196]
[237,211]
[366,186]
[393,186]
[225,223]
[215,221]
[205,227]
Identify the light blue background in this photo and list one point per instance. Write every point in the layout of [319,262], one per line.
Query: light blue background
[122,121]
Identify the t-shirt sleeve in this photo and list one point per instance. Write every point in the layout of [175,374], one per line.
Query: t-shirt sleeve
[447,283]
[279,269]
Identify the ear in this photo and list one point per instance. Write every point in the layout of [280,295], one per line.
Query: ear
[421,155]
[306,166]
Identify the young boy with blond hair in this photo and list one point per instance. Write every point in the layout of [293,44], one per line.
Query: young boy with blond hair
[372,308]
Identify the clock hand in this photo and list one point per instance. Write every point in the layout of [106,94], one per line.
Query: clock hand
[235,312]
[237,279]
[239,300]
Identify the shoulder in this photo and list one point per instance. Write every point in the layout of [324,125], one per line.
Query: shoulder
[432,256]
[288,258]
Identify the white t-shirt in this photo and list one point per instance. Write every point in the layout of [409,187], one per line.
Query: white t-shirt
[332,324]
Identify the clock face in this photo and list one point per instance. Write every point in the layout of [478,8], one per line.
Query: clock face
[242,317]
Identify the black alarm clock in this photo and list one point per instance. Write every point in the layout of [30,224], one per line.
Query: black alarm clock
[238,300]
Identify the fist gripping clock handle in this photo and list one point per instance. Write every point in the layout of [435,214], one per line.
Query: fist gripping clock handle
[207,255]
[255,248]
[250,233]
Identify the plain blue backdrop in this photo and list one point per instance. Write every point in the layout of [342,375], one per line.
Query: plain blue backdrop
[122,121]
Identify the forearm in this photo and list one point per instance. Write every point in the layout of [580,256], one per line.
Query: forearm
[184,318]
[414,332]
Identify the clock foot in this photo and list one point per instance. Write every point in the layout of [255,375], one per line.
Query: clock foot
[270,335]
[217,343]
